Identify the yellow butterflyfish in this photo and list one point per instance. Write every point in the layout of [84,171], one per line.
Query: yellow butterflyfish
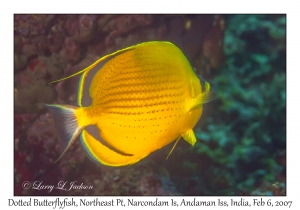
[131,103]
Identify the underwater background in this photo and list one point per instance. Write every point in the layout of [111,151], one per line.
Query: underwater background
[241,135]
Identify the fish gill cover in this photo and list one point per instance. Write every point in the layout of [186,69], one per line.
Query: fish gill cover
[237,152]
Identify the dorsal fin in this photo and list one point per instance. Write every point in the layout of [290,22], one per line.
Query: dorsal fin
[85,70]
[103,58]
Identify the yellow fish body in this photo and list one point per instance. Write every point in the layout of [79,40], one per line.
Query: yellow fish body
[142,98]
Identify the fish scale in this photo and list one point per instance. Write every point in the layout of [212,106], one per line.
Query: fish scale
[141,98]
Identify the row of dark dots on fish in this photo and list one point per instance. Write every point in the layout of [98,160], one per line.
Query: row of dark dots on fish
[130,92]
[165,117]
[172,122]
[143,127]
[149,67]
[113,94]
[132,63]
[151,132]
[149,112]
[129,82]
[156,131]
[123,95]
[143,84]
[159,118]
[142,55]
[144,105]
[138,126]
[134,137]
[137,99]
[131,126]
[162,110]
[129,78]
[127,113]
[129,61]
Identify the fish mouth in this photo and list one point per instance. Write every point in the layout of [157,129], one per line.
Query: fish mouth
[95,132]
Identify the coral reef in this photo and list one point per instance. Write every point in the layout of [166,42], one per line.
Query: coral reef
[20,61]
[212,55]
[31,84]
[237,153]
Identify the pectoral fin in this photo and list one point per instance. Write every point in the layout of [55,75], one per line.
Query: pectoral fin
[202,98]
[190,137]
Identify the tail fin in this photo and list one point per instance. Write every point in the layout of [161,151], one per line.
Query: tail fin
[65,123]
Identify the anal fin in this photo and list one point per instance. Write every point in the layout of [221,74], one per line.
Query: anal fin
[190,137]
[102,154]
